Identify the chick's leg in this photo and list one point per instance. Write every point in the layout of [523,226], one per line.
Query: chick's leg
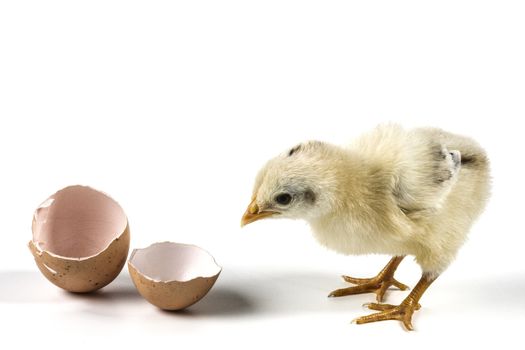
[402,312]
[378,284]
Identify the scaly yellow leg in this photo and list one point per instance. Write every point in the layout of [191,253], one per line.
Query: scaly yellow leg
[378,284]
[402,312]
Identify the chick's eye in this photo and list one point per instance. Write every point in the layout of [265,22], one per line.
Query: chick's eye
[283,198]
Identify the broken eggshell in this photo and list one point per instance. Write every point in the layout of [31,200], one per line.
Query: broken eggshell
[173,276]
[80,239]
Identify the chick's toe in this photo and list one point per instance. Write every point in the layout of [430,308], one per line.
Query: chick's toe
[378,284]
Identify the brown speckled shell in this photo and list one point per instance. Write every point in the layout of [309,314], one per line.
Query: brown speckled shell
[172,295]
[81,276]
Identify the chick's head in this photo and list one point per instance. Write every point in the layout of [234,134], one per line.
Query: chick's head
[295,184]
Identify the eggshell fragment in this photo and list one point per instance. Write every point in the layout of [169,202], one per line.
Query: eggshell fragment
[173,276]
[80,239]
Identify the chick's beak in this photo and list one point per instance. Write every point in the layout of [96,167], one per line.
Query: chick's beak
[253,213]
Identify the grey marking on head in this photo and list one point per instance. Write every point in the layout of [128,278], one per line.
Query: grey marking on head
[398,192]
[442,171]
[438,153]
[309,196]
[294,150]
[443,175]
[468,159]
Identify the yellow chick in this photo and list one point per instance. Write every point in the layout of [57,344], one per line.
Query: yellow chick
[393,191]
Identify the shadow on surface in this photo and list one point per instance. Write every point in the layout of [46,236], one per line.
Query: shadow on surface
[491,293]
[234,294]
[239,293]
[221,302]
[121,289]
[25,287]
[32,287]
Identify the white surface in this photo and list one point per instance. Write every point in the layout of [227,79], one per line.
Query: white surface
[169,261]
[172,107]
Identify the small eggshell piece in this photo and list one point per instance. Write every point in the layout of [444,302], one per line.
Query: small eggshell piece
[173,276]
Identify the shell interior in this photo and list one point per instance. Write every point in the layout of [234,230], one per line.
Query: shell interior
[167,261]
[77,222]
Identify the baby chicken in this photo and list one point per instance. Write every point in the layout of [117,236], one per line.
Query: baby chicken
[393,191]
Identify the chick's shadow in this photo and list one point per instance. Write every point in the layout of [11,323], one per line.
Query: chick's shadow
[242,293]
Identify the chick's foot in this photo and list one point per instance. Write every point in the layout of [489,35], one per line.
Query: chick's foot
[402,312]
[375,285]
[378,284]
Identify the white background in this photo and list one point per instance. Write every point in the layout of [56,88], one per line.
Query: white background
[171,107]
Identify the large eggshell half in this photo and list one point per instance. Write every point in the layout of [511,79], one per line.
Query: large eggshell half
[80,239]
[173,276]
